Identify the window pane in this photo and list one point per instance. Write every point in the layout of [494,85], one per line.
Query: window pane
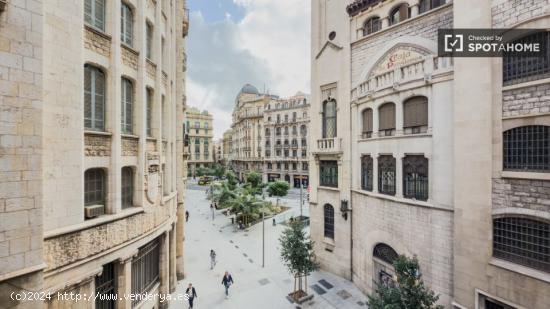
[527,149]
[329,221]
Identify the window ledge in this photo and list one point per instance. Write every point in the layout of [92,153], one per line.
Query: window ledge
[129,48]
[129,136]
[525,175]
[526,84]
[151,62]
[150,138]
[520,269]
[402,200]
[94,222]
[328,188]
[394,137]
[329,241]
[97,31]
[89,132]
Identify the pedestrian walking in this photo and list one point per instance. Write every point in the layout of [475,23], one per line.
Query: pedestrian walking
[227,281]
[186,215]
[191,294]
[212,259]
[274,222]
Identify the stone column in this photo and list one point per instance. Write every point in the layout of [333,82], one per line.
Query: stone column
[385,22]
[172,257]
[375,124]
[124,282]
[179,242]
[375,172]
[414,10]
[399,175]
[164,265]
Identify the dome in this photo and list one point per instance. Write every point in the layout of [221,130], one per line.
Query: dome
[248,88]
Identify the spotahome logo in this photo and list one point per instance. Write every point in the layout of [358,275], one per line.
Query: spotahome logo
[493,42]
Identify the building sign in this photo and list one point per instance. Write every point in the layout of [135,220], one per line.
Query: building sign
[397,58]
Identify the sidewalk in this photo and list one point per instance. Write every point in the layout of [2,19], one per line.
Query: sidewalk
[240,253]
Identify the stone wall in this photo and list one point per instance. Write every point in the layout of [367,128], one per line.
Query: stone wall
[151,69]
[72,247]
[424,26]
[524,101]
[129,146]
[151,145]
[96,41]
[129,57]
[521,193]
[97,145]
[21,110]
[507,13]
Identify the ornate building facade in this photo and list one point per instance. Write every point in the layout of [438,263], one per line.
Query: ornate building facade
[92,150]
[286,124]
[201,145]
[227,147]
[430,156]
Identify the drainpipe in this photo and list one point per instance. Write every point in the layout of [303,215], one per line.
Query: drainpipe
[351,198]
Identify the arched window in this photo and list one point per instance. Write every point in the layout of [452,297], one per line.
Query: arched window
[367,123]
[372,25]
[527,149]
[383,258]
[366,173]
[94,13]
[415,177]
[386,175]
[267,132]
[520,68]
[415,115]
[127,24]
[399,14]
[94,192]
[127,195]
[386,120]
[127,101]
[328,211]
[94,98]
[286,142]
[149,32]
[426,5]
[329,119]
[522,241]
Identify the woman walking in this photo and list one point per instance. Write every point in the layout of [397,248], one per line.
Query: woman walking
[227,281]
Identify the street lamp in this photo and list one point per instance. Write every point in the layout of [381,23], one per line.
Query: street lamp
[263,232]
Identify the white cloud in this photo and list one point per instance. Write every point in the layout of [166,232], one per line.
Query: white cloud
[269,46]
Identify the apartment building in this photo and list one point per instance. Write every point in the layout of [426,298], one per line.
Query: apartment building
[201,134]
[227,147]
[286,123]
[445,159]
[92,112]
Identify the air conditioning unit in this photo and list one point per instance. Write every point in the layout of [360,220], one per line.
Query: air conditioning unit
[93,211]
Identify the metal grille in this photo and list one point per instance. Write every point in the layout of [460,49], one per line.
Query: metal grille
[329,119]
[328,173]
[127,187]
[329,221]
[145,269]
[415,180]
[522,241]
[94,187]
[527,149]
[105,288]
[519,69]
[386,175]
[366,173]
[385,253]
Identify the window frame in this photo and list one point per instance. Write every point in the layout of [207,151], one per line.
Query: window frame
[94,18]
[526,154]
[328,173]
[100,187]
[367,117]
[127,108]
[96,123]
[387,164]
[367,172]
[330,121]
[149,37]
[387,113]
[127,24]
[369,26]
[149,112]
[127,187]
[416,174]
[328,221]
[415,115]
[399,9]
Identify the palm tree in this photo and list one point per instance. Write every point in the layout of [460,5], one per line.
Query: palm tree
[245,205]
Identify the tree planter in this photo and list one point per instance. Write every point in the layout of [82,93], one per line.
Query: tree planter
[300,297]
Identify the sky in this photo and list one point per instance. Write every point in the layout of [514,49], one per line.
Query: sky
[234,42]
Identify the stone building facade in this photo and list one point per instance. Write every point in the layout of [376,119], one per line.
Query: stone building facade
[286,123]
[227,147]
[269,135]
[400,165]
[92,150]
[200,130]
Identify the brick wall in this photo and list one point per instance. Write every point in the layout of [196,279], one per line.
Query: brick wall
[521,193]
[97,145]
[523,101]
[98,42]
[507,13]
[20,136]
[425,27]
[129,57]
[129,146]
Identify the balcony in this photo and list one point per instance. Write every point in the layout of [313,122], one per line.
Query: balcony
[185,23]
[329,145]
[423,70]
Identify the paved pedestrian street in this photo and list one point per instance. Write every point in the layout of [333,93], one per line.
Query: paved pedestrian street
[240,253]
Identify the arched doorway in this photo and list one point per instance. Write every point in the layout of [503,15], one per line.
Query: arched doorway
[383,257]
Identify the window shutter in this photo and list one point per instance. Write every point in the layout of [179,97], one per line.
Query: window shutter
[415,112]
[99,102]
[367,120]
[88,11]
[403,12]
[87,98]
[387,116]
[99,14]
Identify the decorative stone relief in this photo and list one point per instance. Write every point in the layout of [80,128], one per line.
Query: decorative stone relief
[97,145]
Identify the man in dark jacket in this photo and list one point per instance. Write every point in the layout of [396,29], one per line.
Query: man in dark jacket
[227,281]
[191,294]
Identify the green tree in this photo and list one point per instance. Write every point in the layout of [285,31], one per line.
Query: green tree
[246,207]
[298,256]
[409,292]
[254,183]
[278,189]
[231,179]
[218,170]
